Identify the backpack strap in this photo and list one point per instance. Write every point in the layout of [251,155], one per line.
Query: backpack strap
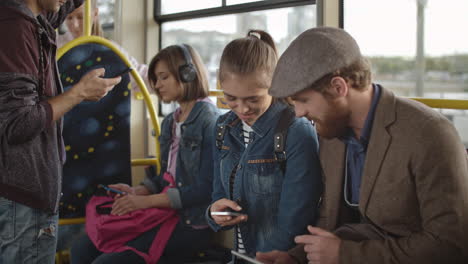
[281,133]
[104,208]
[221,130]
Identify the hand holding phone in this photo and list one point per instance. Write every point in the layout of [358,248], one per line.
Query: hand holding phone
[245,257]
[126,70]
[110,189]
[226,213]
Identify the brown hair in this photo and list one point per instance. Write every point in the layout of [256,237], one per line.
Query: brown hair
[96,29]
[174,57]
[256,51]
[357,75]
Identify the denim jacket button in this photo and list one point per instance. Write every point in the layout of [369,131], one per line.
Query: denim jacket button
[179,184]
[239,167]
[187,222]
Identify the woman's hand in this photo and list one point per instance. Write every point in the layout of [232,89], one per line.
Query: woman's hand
[125,204]
[137,190]
[123,188]
[227,205]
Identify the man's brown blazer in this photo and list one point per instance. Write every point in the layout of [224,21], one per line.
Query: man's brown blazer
[414,188]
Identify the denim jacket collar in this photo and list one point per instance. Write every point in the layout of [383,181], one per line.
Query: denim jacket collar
[197,109]
[263,124]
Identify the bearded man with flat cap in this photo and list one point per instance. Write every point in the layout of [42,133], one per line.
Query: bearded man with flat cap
[395,171]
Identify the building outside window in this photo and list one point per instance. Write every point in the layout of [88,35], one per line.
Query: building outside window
[210,34]
[387,32]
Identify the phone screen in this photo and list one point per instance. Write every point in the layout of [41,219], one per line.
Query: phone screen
[110,189]
[245,257]
[226,213]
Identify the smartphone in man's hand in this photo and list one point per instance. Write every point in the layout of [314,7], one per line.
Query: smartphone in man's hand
[126,70]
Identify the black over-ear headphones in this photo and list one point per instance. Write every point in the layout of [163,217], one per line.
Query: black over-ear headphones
[187,71]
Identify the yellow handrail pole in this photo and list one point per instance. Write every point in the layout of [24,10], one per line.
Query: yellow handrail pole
[217,93]
[136,77]
[152,112]
[87,23]
[444,103]
[71,221]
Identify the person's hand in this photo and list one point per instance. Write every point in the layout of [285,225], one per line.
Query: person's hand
[123,188]
[127,203]
[320,246]
[275,257]
[92,87]
[226,205]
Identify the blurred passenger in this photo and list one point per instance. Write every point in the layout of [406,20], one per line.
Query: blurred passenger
[276,199]
[177,74]
[74,23]
[395,171]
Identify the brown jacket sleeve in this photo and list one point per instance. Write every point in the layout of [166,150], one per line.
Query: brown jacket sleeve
[439,170]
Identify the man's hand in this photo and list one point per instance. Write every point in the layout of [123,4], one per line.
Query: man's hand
[92,87]
[275,257]
[224,205]
[321,246]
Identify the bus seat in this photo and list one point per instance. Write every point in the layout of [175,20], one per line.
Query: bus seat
[96,134]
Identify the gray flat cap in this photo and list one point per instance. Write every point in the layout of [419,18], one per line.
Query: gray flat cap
[312,55]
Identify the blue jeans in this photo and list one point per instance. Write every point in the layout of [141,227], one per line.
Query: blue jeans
[27,235]
[183,243]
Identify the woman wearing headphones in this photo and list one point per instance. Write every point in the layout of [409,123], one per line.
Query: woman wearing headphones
[177,74]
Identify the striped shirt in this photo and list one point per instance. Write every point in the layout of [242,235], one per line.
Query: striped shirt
[246,132]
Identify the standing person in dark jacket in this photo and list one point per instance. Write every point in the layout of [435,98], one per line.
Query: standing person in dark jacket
[32,103]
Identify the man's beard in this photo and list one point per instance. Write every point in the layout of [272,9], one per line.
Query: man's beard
[334,123]
[50,6]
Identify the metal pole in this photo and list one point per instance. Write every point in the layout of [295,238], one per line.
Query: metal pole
[420,61]
[87,23]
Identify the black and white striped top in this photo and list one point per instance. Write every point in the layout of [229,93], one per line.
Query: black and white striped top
[247,132]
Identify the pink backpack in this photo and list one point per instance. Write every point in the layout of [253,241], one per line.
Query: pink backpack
[110,233]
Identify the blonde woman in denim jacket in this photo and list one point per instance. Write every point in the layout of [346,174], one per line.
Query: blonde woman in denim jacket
[275,203]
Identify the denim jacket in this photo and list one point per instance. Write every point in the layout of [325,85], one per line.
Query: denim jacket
[194,165]
[279,205]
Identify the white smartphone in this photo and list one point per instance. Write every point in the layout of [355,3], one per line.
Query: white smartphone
[245,257]
[226,213]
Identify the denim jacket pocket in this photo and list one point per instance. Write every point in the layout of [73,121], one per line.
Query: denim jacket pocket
[264,175]
[190,153]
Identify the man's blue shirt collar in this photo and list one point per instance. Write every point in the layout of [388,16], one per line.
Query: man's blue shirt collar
[350,138]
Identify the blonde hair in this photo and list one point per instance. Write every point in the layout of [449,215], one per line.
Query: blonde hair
[96,29]
[174,57]
[256,51]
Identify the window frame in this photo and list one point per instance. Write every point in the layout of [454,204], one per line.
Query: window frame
[225,9]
